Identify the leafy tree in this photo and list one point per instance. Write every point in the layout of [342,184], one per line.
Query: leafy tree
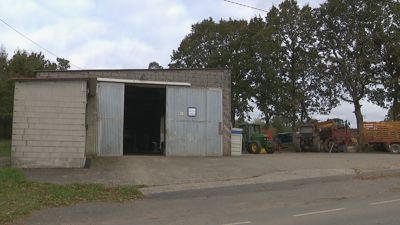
[297,63]
[24,64]
[345,34]
[63,64]
[263,64]
[3,62]
[386,37]
[155,65]
[6,96]
[216,45]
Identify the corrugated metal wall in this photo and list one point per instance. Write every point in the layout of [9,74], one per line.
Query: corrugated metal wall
[110,119]
[193,136]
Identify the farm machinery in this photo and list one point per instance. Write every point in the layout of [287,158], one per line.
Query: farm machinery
[330,135]
[253,141]
[383,134]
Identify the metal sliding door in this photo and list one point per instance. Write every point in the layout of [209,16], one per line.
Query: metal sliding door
[214,125]
[193,121]
[110,119]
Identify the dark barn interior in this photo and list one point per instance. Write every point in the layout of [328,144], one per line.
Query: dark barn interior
[144,111]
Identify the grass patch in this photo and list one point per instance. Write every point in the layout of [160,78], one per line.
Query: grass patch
[19,196]
[5,148]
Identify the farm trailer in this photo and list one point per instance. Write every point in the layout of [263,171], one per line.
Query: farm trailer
[383,134]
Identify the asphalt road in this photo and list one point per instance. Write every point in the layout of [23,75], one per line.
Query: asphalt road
[341,199]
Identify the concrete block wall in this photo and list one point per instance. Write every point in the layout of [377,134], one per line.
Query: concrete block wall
[197,77]
[49,124]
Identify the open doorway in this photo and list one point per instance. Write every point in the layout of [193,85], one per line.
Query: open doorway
[144,113]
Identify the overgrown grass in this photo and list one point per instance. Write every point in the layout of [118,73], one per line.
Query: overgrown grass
[5,148]
[19,196]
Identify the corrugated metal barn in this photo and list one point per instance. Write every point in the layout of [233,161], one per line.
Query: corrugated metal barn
[61,118]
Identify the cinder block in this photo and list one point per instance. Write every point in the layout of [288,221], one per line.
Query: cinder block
[20,125]
[69,98]
[30,103]
[81,150]
[56,110]
[34,109]
[20,119]
[78,104]
[71,138]
[18,114]
[18,131]
[33,120]
[64,104]
[19,108]
[28,114]
[17,137]
[19,97]
[80,99]
[74,110]
[77,127]
[18,143]
[33,97]
[64,127]
[17,154]
[18,102]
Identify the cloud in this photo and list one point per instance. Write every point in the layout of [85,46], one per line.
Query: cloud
[125,34]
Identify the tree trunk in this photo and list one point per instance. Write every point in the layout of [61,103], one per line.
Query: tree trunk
[360,126]
[267,119]
[359,117]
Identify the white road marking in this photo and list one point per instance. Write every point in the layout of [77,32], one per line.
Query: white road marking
[237,223]
[377,203]
[312,213]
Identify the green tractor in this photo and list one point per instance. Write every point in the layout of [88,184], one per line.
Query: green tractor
[253,141]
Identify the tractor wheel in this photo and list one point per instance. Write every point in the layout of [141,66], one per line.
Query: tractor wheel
[395,148]
[272,149]
[255,147]
[297,146]
[329,143]
[316,144]
[249,149]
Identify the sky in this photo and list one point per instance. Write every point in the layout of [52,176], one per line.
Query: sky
[127,34]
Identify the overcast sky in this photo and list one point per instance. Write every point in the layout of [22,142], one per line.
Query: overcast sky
[126,34]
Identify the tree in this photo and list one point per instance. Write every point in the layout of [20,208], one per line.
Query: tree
[386,38]
[219,45]
[263,64]
[3,62]
[63,64]
[345,33]
[297,63]
[6,96]
[24,64]
[154,66]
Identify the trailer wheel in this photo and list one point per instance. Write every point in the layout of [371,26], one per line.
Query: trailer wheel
[255,147]
[316,144]
[297,146]
[395,148]
[329,142]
